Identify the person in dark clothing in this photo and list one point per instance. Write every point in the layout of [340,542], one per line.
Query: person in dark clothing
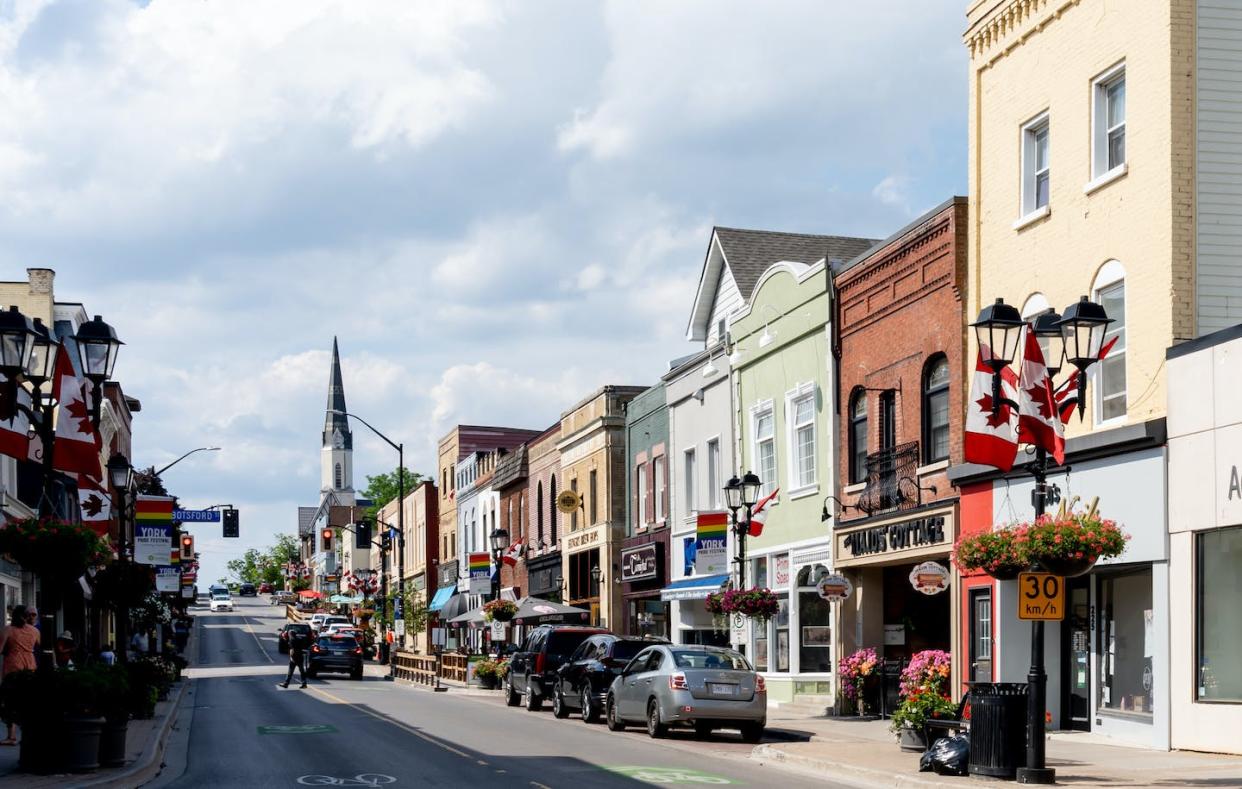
[299,642]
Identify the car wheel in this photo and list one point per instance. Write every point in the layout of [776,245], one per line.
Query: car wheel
[511,696]
[589,713]
[531,700]
[752,732]
[559,710]
[655,726]
[614,720]
[702,730]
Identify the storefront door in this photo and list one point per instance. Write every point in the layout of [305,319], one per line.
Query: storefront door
[1076,657]
[981,635]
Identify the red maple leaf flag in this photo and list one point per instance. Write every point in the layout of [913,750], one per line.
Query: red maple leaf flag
[15,432]
[991,438]
[95,504]
[77,445]
[1039,423]
[757,516]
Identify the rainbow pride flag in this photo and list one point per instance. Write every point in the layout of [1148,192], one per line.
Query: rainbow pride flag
[153,509]
[712,525]
[479,562]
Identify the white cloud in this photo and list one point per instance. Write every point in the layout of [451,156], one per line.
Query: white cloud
[894,190]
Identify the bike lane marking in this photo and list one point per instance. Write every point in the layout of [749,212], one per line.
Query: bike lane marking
[668,775]
[398,724]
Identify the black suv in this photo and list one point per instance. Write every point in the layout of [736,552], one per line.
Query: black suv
[582,681]
[532,669]
[341,654]
[248,590]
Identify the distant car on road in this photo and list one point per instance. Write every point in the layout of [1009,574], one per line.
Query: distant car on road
[582,682]
[287,632]
[221,601]
[325,621]
[248,590]
[532,669]
[265,588]
[702,686]
[339,654]
[284,598]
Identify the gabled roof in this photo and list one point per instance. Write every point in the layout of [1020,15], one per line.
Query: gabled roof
[746,254]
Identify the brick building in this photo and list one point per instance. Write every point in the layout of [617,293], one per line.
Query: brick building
[509,480]
[899,347]
[541,556]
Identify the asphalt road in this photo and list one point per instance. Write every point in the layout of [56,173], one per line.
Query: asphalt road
[238,729]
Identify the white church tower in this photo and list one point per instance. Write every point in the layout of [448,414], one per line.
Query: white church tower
[337,455]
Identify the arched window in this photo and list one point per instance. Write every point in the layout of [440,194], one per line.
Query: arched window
[539,509]
[858,435]
[936,409]
[1035,304]
[338,478]
[552,515]
[1109,291]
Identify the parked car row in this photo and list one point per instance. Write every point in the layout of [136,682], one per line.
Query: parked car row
[632,680]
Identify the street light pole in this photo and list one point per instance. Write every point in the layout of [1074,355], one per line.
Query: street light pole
[740,493]
[121,475]
[186,455]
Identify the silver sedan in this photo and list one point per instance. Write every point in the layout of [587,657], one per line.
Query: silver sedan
[706,687]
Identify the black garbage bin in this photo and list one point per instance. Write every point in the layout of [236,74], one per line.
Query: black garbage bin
[997,728]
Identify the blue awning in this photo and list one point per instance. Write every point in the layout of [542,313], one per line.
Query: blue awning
[442,596]
[697,588]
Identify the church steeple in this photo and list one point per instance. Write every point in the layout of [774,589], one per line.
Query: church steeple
[335,424]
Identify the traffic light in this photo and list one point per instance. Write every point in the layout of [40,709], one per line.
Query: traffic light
[187,547]
[231,527]
[362,535]
[327,539]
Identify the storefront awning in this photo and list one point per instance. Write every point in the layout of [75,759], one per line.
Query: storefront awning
[442,596]
[697,588]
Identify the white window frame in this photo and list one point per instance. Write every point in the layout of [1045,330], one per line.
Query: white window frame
[1028,210]
[715,480]
[1110,275]
[794,396]
[764,407]
[641,471]
[1101,173]
[659,464]
[690,470]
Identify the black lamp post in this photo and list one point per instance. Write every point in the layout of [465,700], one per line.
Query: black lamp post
[121,476]
[740,493]
[1077,336]
[98,346]
[499,539]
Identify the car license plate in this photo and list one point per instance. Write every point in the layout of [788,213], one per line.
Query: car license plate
[722,689]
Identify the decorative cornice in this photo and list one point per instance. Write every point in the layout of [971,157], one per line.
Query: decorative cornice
[1011,22]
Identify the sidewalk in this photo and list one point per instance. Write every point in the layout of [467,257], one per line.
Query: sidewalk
[866,751]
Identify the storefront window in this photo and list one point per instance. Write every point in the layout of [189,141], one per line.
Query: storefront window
[781,625]
[1126,642]
[761,647]
[1219,589]
[761,572]
[814,623]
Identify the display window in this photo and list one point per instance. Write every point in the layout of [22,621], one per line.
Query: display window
[1126,640]
[1219,628]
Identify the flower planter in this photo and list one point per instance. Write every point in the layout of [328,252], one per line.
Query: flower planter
[112,742]
[1007,572]
[911,739]
[81,745]
[487,682]
[1067,566]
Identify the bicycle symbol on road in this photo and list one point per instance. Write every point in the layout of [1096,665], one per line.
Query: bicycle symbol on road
[364,779]
[668,775]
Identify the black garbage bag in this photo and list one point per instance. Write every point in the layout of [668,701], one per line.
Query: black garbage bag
[947,756]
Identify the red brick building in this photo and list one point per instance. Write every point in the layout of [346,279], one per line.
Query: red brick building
[899,347]
[510,481]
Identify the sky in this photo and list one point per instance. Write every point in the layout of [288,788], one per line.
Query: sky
[496,206]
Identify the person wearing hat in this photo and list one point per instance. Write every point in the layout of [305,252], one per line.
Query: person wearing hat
[64,649]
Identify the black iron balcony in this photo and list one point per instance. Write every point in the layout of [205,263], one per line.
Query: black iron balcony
[891,480]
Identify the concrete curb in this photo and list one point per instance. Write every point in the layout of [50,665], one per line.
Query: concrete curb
[863,774]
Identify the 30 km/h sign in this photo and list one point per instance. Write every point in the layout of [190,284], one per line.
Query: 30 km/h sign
[1041,596]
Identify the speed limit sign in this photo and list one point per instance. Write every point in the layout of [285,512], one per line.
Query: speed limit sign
[1041,596]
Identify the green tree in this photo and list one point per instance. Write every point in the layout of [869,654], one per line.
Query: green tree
[249,568]
[383,488]
[415,612]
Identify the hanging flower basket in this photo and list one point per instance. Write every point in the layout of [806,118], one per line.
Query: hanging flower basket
[53,548]
[759,604]
[715,606]
[1001,554]
[499,610]
[1071,544]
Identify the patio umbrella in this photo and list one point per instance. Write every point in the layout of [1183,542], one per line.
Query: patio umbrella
[310,593]
[537,611]
[469,619]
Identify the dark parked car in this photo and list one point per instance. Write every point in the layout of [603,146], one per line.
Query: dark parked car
[340,654]
[582,682]
[532,669]
[248,590]
[283,635]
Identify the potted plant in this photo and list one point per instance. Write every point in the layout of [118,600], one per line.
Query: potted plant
[924,694]
[144,678]
[1070,544]
[1001,553]
[499,610]
[486,671]
[759,604]
[81,693]
[114,696]
[31,699]
[854,672]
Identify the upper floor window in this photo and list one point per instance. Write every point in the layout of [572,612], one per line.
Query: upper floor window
[1035,165]
[640,488]
[1110,389]
[1108,121]
[715,486]
[936,409]
[858,436]
[763,427]
[593,491]
[690,472]
[659,470]
[800,417]
[573,518]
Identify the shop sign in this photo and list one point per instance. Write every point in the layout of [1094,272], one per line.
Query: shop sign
[640,563]
[896,536]
[582,540]
[930,578]
[780,574]
[834,588]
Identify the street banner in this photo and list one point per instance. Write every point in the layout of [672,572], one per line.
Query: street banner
[711,549]
[197,516]
[167,580]
[480,565]
[153,530]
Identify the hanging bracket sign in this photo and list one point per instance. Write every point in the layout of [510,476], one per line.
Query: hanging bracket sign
[834,588]
[930,578]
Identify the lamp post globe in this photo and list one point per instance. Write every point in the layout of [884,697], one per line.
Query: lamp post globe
[750,488]
[1083,325]
[42,363]
[733,493]
[1047,328]
[17,336]
[596,573]
[997,330]
[98,345]
[499,539]
[120,471]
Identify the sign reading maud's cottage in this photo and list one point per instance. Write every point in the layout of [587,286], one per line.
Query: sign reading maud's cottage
[928,536]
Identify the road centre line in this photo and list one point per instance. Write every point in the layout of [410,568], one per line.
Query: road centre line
[262,649]
[398,724]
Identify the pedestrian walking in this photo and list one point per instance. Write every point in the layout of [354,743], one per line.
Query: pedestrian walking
[138,645]
[299,642]
[107,656]
[18,643]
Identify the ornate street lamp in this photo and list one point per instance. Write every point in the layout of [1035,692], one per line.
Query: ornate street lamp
[1083,326]
[17,335]
[121,475]
[750,489]
[1047,328]
[42,364]
[998,330]
[733,494]
[740,493]
[98,346]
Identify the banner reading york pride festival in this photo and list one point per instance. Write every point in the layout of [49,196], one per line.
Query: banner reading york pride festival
[153,516]
[480,569]
[711,554]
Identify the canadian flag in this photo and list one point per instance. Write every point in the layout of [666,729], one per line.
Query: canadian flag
[757,516]
[991,436]
[1064,393]
[511,556]
[77,441]
[95,504]
[15,432]
[1039,424]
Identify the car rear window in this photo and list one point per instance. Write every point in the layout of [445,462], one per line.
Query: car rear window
[566,643]
[710,658]
[624,650]
[338,641]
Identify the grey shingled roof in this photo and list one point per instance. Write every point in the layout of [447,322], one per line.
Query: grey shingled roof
[751,252]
